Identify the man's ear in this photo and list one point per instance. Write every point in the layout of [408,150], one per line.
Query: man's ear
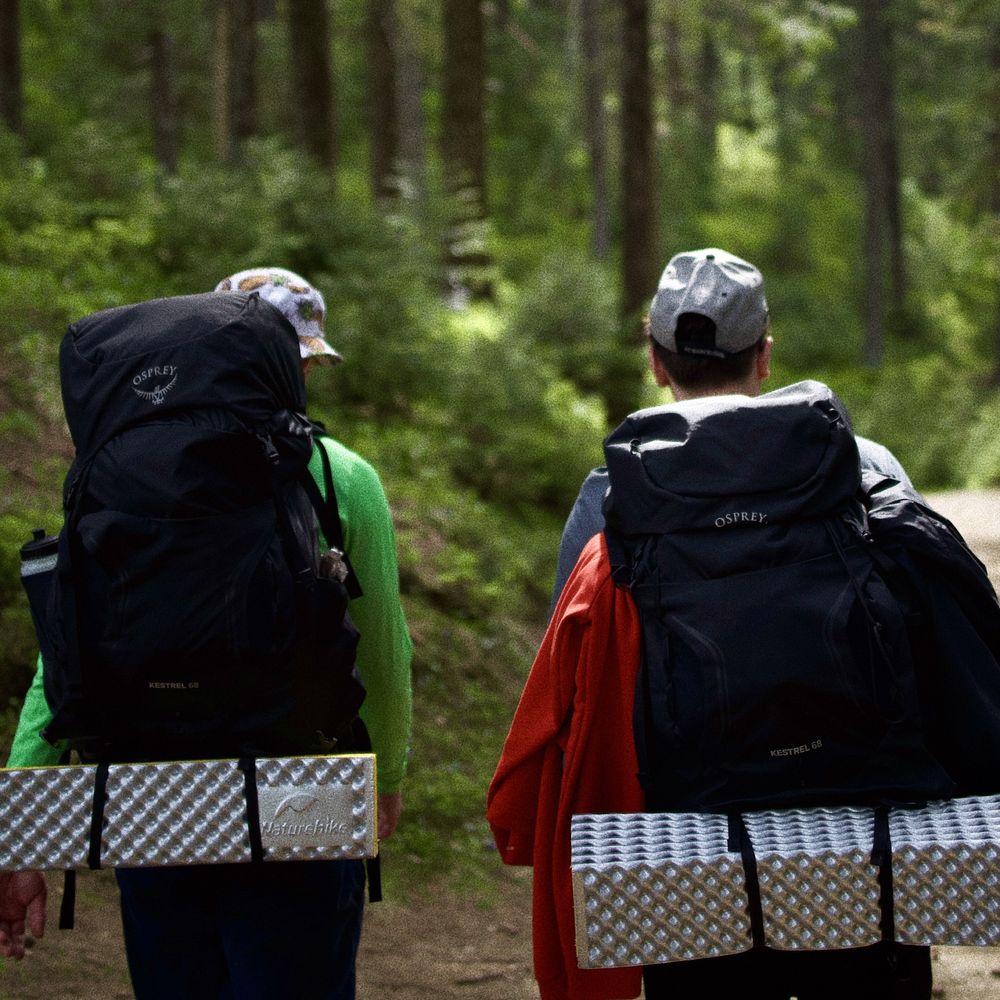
[764,359]
[660,375]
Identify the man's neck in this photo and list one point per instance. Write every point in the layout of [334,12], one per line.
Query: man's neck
[735,389]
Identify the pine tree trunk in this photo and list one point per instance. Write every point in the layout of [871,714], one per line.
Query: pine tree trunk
[676,88]
[163,100]
[597,126]
[383,124]
[709,69]
[464,93]
[890,160]
[221,77]
[874,175]
[11,92]
[994,193]
[243,66]
[641,261]
[640,243]
[310,61]
[464,142]
[410,113]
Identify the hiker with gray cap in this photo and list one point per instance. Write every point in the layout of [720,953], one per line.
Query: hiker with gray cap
[705,608]
[707,335]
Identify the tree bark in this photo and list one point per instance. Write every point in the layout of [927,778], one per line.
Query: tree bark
[709,68]
[464,143]
[640,243]
[678,96]
[890,160]
[464,96]
[11,88]
[994,192]
[383,125]
[243,66]
[311,73]
[874,174]
[410,113]
[597,126]
[163,100]
[221,77]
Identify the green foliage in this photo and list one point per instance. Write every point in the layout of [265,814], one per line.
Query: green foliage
[979,458]
[466,679]
[494,414]
[921,409]
[566,311]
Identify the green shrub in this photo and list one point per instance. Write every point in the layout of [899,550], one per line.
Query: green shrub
[980,456]
[919,409]
[567,313]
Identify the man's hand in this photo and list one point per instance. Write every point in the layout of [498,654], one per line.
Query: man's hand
[389,808]
[22,896]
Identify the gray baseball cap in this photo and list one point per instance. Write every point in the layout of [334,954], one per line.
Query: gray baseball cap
[715,284]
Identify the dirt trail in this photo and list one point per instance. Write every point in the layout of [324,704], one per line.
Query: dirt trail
[440,946]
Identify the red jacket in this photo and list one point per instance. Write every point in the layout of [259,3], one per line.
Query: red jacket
[570,750]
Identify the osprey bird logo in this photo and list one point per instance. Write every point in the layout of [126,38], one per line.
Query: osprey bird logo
[162,378]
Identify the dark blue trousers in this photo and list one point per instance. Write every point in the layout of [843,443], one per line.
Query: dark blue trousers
[243,932]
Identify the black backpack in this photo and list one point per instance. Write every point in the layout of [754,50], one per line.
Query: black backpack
[777,667]
[188,615]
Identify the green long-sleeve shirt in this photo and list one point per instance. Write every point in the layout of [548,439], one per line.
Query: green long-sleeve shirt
[384,651]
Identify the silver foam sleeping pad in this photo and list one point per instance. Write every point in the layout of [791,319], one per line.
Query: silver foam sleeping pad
[654,888]
[189,812]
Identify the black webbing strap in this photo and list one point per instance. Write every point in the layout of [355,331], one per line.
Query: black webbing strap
[248,765]
[328,515]
[739,840]
[331,508]
[882,859]
[97,815]
[68,905]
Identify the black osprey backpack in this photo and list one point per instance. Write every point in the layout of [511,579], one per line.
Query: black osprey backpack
[189,615]
[776,660]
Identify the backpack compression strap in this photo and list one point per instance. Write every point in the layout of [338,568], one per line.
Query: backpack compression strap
[739,840]
[328,515]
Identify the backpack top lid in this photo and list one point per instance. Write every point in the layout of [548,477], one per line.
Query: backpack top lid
[713,461]
[147,361]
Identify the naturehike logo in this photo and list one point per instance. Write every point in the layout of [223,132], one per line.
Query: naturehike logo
[298,802]
[741,517]
[795,751]
[305,816]
[154,383]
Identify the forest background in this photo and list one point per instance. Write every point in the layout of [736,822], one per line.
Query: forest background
[487,193]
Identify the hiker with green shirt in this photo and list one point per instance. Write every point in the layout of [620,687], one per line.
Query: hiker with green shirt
[209,931]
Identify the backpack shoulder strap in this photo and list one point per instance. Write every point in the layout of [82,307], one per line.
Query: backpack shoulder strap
[328,514]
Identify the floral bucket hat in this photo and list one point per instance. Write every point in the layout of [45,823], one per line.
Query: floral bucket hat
[301,304]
